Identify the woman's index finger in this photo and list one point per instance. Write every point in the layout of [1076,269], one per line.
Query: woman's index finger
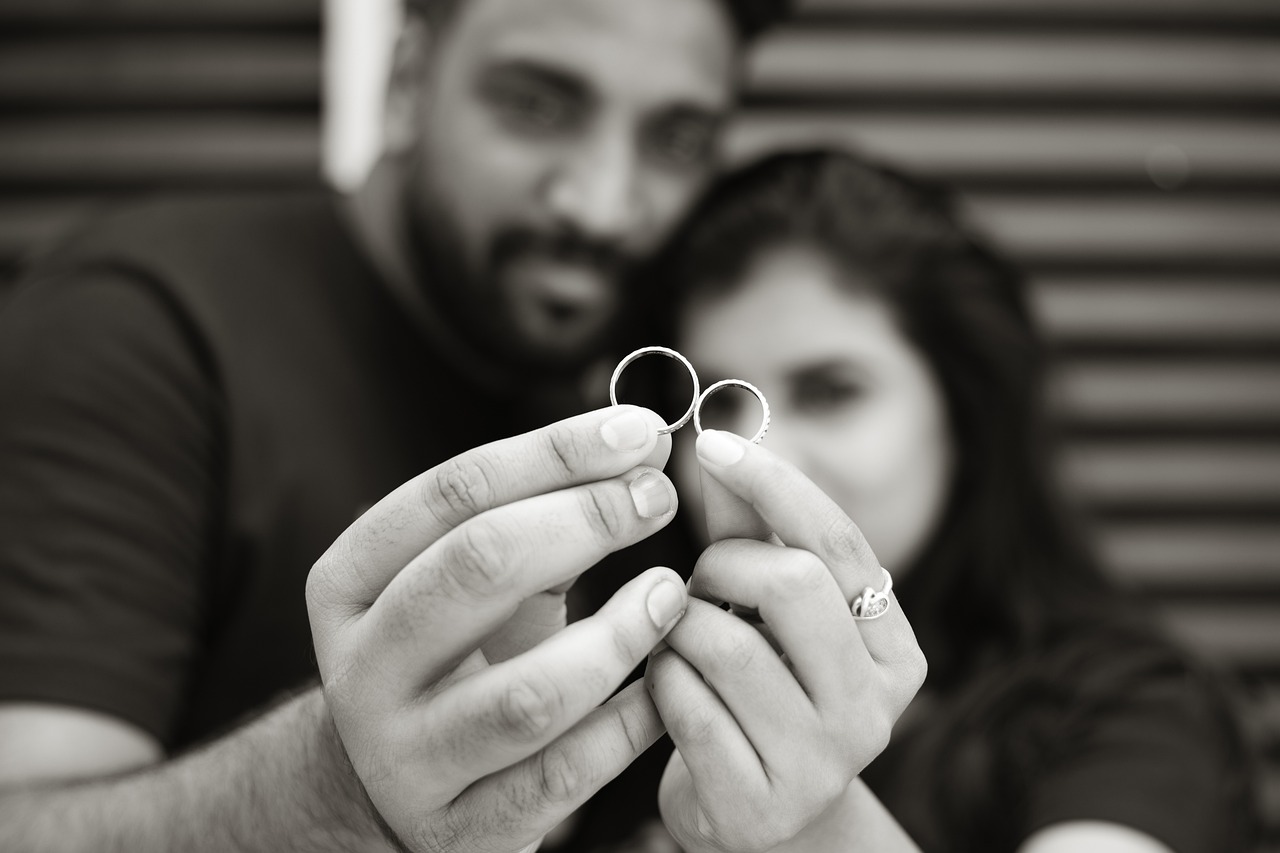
[728,516]
[788,504]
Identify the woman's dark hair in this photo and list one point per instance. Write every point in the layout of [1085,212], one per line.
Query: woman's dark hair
[1007,601]
[1005,547]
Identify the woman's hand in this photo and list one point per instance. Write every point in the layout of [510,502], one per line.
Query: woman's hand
[771,730]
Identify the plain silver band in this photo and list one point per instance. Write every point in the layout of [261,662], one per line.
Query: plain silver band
[740,383]
[883,592]
[669,353]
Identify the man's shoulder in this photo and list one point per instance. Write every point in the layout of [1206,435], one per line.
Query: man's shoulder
[224,262]
[167,225]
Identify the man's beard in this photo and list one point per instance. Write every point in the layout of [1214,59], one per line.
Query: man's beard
[478,305]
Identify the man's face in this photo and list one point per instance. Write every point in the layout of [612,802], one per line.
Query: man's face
[560,140]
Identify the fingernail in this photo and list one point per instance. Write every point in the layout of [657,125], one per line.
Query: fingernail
[625,432]
[651,495]
[665,603]
[721,448]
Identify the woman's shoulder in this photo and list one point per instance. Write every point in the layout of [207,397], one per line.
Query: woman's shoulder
[1115,721]
[1101,722]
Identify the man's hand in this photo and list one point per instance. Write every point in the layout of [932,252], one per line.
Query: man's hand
[458,751]
[770,730]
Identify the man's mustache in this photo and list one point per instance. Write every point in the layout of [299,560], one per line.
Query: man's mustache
[565,247]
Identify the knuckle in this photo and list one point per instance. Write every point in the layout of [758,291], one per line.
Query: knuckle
[692,725]
[330,594]
[638,735]
[320,591]
[907,677]
[477,560]
[461,488]
[733,651]
[917,670]
[455,829]
[566,452]
[607,523]
[629,647]
[843,541]
[720,553]
[879,729]
[528,710]
[561,777]
[800,576]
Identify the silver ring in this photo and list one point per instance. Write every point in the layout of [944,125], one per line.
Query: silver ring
[873,604]
[669,353]
[740,383]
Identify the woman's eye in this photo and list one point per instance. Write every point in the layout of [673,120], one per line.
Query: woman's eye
[820,396]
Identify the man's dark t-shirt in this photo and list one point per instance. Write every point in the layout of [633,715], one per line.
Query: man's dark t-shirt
[197,398]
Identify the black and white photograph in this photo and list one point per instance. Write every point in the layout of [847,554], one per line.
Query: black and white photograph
[640,426]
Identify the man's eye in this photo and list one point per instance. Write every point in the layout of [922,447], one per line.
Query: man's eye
[531,107]
[685,143]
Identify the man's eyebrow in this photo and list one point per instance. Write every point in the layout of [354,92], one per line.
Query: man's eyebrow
[693,111]
[541,73]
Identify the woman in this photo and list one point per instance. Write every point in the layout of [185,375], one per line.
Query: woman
[904,375]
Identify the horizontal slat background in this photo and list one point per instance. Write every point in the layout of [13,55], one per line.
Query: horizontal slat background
[1127,152]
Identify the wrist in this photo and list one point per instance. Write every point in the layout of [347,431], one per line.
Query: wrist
[855,821]
[338,787]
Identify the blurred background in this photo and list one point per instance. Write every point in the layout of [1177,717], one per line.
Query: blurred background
[1127,152]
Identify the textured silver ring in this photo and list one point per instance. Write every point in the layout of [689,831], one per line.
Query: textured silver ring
[740,383]
[669,353]
[873,604]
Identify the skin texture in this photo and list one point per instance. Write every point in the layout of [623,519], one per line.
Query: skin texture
[457,709]
[487,755]
[856,409]
[855,406]
[581,130]
[766,754]
[616,176]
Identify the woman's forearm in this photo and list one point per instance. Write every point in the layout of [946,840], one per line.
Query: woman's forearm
[855,822]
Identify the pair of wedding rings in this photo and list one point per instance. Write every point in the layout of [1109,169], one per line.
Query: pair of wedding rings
[694,411]
[872,603]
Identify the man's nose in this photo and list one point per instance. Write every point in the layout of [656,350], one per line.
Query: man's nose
[594,189]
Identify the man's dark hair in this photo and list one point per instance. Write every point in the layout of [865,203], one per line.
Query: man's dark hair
[751,17]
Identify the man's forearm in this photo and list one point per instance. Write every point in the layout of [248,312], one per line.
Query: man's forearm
[279,783]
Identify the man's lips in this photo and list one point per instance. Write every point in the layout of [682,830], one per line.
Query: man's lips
[560,304]
[563,291]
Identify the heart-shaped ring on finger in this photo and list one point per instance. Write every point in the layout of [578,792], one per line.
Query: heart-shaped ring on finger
[872,603]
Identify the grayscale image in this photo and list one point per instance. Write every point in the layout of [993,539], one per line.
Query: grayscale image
[640,426]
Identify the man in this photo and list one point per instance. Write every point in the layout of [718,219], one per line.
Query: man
[200,397]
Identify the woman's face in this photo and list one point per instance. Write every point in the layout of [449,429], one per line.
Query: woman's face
[854,404]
